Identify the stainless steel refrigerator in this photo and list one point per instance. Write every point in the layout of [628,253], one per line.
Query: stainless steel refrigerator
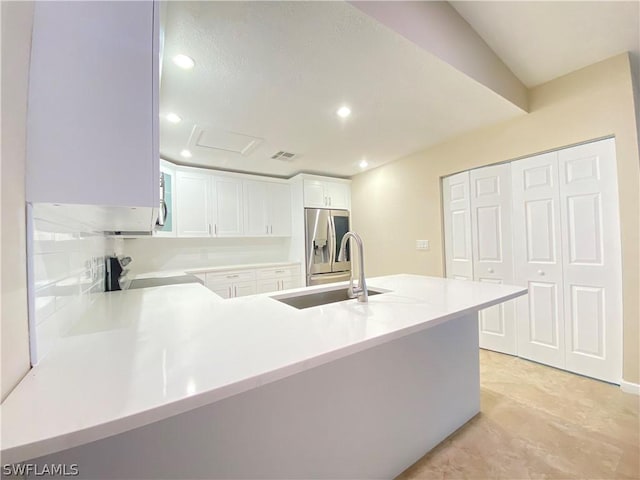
[324,229]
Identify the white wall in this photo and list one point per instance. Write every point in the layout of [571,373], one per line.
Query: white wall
[154,254]
[400,202]
[17,21]
[68,268]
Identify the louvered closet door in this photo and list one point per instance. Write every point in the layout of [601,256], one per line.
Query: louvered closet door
[490,191]
[457,226]
[538,258]
[592,260]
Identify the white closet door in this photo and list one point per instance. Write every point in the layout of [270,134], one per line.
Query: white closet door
[492,253]
[538,258]
[591,260]
[457,226]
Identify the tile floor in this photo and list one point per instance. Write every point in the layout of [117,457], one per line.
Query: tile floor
[539,422]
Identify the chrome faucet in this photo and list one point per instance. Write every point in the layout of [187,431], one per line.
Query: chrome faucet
[361,290]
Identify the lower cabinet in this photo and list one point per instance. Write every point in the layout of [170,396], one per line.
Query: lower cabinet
[232,284]
[240,283]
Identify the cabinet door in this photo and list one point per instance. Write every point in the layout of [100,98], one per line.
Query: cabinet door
[279,195]
[193,204]
[537,251]
[242,289]
[93,100]
[490,189]
[338,194]
[314,194]
[224,291]
[591,260]
[457,226]
[269,285]
[227,193]
[169,175]
[256,208]
[290,282]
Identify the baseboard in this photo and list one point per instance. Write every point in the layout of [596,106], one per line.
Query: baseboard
[629,387]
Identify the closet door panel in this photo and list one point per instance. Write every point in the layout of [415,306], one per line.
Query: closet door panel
[592,260]
[490,192]
[457,226]
[538,259]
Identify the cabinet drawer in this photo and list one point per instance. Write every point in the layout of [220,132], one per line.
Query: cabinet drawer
[279,272]
[230,277]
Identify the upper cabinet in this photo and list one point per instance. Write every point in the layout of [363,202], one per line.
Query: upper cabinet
[193,204]
[267,208]
[93,105]
[227,207]
[208,205]
[325,192]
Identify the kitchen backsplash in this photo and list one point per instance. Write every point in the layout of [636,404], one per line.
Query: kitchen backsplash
[155,254]
[67,270]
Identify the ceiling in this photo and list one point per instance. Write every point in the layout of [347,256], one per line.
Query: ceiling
[540,40]
[269,76]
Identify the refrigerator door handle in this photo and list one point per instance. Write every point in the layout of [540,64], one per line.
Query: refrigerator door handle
[332,246]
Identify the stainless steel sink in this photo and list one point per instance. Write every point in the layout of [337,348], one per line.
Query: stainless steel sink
[314,299]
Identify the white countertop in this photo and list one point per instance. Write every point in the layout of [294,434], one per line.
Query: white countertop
[219,268]
[140,356]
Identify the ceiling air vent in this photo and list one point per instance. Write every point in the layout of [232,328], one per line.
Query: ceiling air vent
[285,156]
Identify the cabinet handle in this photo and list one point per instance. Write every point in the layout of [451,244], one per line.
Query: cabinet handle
[230,292]
[490,270]
[267,230]
[271,230]
[215,228]
[540,272]
[232,276]
[235,291]
[209,228]
[279,271]
[329,200]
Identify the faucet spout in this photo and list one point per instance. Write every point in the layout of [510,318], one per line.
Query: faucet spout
[361,290]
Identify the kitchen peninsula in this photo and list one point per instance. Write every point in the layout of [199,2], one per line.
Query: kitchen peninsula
[176,382]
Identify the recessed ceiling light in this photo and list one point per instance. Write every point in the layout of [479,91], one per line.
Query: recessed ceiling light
[183,61]
[173,118]
[186,153]
[364,164]
[344,111]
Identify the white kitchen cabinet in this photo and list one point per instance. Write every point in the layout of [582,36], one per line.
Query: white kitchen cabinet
[232,284]
[279,204]
[278,278]
[227,207]
[565,236]
[93,107]
[267,208]
[193,204]
[320,192]
[269,285]
[248,281]
[256,212]
[208,205]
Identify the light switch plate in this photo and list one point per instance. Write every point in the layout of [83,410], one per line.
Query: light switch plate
[422,244]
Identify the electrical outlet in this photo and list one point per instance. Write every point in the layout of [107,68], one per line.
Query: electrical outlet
[422,244]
